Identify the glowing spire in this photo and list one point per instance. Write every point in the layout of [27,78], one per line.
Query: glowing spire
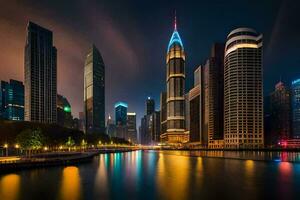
[175,22]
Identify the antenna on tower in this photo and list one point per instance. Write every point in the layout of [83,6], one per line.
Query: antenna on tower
[175,22]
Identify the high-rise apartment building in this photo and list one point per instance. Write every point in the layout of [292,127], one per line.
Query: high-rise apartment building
[40,75]
[94,92]
[243,90]
[296,107]
[175,81]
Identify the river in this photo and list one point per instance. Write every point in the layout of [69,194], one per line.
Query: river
[162,175]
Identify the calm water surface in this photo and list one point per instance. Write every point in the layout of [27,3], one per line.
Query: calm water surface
[161,175]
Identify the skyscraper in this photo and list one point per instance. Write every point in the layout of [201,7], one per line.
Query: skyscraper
[12,100]
[40,75]
[243,90]
[150,106]
[296,107]
[111,127]
[214,94]
[94,91]
[175,80]
[280,114]
[121,113]
[131,127]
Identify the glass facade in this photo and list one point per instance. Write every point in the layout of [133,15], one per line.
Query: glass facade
[94,92]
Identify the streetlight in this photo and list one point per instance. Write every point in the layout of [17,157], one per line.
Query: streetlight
[17,146]
[6,148]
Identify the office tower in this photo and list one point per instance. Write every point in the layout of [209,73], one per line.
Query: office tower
[196,108]
[40,75]
[243,90]
[150,106]
[64,112]
[175,81]
[280,114]
[94,92]
[121,113]
[111,127]
[296,107]
[131,127]
[163,113]
[12,100]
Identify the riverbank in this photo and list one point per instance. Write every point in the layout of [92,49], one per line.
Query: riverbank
[15,163]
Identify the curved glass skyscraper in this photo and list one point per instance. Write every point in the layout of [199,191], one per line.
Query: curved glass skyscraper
[243,89]
[175,80]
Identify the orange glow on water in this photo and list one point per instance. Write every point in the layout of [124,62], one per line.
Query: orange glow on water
[172,176]
[70,188]
[9,187]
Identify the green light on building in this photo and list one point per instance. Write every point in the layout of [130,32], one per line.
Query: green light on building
[67,109]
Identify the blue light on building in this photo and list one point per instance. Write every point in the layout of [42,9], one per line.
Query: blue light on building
[121,113]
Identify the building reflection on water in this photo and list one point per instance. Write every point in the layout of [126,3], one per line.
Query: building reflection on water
[9,187]
[70,184]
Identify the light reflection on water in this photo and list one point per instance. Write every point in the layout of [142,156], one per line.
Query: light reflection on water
[161,175]
[9,187]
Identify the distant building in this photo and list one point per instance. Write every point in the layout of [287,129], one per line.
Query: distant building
[81,121]
[131,127]
[243,90]
[280,111]
[12,100]
[40,75]
[111,127]
[150,106]
[121,119]
[296,107]
[121,113]
[94,92]
[64,112]
[155,135]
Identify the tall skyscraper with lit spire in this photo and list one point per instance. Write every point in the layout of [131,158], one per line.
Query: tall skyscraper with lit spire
[175,80]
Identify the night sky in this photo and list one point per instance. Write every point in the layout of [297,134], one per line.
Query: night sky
[132,37]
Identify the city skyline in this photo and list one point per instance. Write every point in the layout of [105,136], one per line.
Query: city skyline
[71,56]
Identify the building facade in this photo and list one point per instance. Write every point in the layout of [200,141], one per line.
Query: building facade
[163,113]
[175,81]
[12,100]
[243,90]
[296,107]
[40,75]
[94,92]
